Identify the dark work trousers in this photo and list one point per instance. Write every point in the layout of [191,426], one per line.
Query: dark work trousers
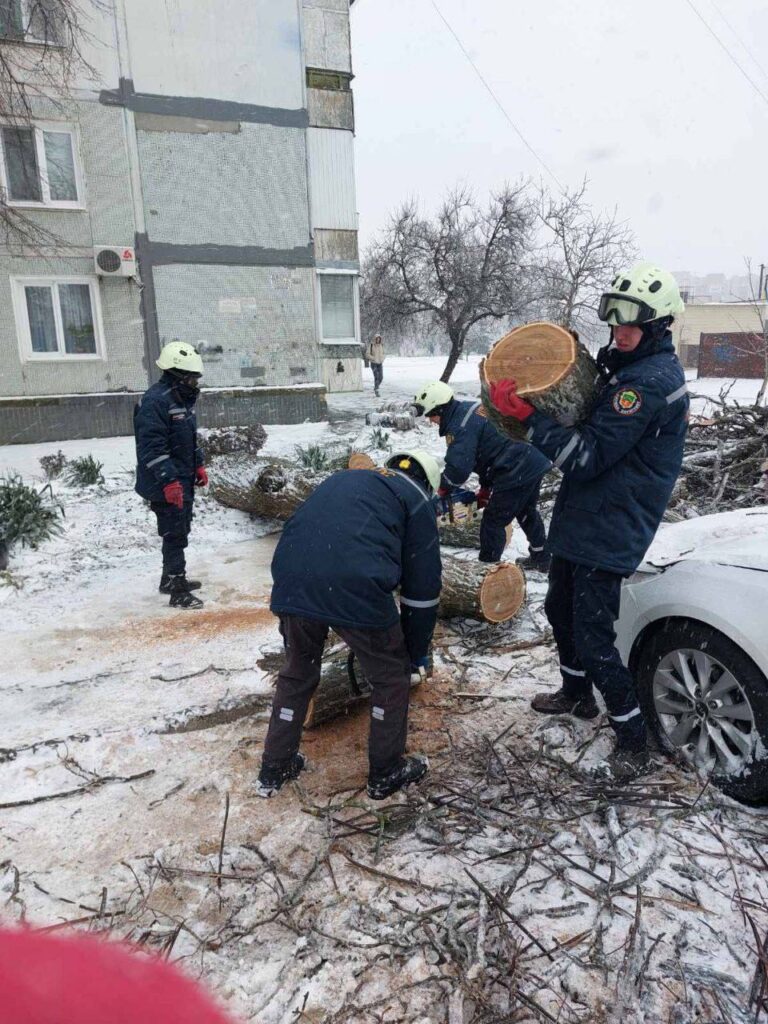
[173,525]
[582,605]
[378,375]
[384,662]
[504,506]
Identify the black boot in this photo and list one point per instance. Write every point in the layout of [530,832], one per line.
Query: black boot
[559,703]
[408,770]
[536,561]
[165,583]
[180,594]
[274,774]
[622,766]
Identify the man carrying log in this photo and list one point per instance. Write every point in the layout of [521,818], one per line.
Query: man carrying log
[510,473]
[619,467]
[354,541]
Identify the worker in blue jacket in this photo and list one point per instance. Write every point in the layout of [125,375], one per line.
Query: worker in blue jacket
[619,467]
[509,472]
[170,462]
[361,536]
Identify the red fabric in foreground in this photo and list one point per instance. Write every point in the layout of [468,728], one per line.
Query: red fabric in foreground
[79,979]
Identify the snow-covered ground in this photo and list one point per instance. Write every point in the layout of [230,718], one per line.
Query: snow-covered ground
[507,888]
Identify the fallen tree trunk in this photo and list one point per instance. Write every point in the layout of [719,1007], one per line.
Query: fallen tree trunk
[553,370]
[394,420]
[273,491]
[478,590]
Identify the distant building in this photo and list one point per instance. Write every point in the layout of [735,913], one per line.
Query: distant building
[719,336]
[203,189]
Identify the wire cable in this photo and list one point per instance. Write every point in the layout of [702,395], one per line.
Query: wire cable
[738,38]
[722,45]
[496,99]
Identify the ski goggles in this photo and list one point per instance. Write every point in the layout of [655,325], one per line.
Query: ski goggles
[617,309]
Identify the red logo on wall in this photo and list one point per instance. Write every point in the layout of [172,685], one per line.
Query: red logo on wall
[127,254]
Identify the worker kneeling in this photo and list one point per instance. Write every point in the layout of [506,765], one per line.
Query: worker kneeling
[358,538]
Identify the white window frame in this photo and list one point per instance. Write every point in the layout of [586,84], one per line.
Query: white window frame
[26,36]
[42,166]
[24,334]
[355,305]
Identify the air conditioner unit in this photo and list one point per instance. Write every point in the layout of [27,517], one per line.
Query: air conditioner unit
[115,260]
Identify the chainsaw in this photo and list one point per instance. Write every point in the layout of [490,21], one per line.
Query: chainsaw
[460,506]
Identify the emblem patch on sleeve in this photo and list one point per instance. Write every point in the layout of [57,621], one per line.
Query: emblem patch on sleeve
[449,439]
[627,402]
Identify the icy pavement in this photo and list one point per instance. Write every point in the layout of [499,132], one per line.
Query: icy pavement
[507,888]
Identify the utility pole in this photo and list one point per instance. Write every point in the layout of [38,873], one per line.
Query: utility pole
[762,289]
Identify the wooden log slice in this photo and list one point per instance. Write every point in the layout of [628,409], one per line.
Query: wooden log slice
[360,460]
[476,590]
[553,370]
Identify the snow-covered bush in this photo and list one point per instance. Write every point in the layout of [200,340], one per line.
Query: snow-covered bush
[84,472]
[233,440]
[27,517]
[52,465]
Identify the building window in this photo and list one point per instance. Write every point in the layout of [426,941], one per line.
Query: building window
[40,166]
[334,81]
[58,318]
[32,21]
[337,308]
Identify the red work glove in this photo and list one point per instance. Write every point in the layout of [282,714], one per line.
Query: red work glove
[201,477]
[443,492]
[483,497]
[174,494]
[506,399]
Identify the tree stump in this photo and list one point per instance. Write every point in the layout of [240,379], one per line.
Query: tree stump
[553,370]
[477,590]
[273,491]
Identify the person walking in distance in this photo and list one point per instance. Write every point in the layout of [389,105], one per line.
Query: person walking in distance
[509,472]
[170,463]
[357,539]
[619,467]
[376,359]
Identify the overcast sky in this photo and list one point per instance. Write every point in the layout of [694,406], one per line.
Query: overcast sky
[639,97]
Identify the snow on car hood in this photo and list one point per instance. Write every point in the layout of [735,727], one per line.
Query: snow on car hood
[728,538]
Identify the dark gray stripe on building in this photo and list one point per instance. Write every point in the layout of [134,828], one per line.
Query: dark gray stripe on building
[148,306]
[200,107]
[162,253]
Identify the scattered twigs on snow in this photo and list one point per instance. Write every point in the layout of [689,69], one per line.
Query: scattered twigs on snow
[96,783]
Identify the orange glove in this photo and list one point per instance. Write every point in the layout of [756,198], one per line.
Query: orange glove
[506,399]
[201,477]
[174,493]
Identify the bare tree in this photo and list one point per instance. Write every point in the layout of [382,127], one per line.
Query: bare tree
[43,53]
[466,265]
[756,343]
[582,250]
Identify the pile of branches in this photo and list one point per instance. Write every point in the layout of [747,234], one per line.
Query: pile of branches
[723,463]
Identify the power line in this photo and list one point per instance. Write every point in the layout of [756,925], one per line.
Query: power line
[741,42]
[731,57]
[496,99]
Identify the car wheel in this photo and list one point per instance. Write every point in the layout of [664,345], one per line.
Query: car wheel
[704,699]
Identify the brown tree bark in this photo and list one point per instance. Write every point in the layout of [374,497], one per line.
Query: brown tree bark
[477,590]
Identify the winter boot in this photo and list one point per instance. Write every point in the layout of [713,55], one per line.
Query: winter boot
[559,703]
[535,561]
[408,770]
[622,766]
[165,583]
[274,774]
[180,594]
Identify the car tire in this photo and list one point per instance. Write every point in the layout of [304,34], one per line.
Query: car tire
[748,784]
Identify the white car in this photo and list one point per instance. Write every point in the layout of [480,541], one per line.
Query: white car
[693,628]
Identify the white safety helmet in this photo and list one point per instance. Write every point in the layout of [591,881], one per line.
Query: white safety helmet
[639,295]
[181,356]
[425,466]
[432,397]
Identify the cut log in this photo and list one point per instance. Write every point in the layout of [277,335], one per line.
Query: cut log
[360,460]
[342,687]
[464,532]
[476,590]
[553,370]
[272,491]
[394,420]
